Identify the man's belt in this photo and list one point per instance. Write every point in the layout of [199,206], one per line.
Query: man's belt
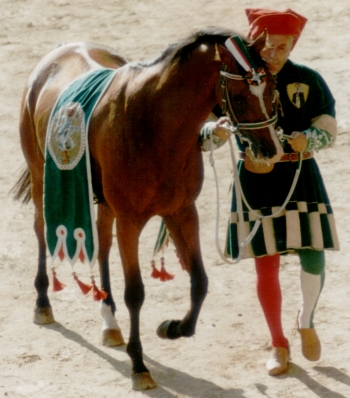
[287,157]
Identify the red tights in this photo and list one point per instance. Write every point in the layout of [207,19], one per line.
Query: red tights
[270,296]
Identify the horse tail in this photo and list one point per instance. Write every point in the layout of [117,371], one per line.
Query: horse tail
[21,190]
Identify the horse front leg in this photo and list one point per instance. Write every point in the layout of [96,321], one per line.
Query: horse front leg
[184,230]
[111,333]
[43,311]
[128,232]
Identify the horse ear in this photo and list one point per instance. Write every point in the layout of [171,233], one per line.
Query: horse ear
[222,54]
[259,43]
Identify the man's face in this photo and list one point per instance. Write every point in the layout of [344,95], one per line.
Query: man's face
[276,51]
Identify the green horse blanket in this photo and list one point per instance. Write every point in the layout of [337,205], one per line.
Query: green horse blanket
[70,225]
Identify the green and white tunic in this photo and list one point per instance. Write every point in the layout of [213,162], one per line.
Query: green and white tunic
[307,221]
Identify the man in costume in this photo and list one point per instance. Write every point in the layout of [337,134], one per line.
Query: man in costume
[306,226]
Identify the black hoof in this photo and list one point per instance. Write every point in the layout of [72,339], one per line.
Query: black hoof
[169,330]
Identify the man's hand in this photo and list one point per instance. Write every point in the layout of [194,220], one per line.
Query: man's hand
[220,130]
[298,142]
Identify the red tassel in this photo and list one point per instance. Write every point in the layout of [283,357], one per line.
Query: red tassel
[155,273]
[96,293]
[57,285]
[83,286]
[164,275]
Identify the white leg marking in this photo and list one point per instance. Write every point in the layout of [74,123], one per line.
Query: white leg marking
[109,322]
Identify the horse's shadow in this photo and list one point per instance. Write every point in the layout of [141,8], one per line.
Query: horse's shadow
[180,382]
[317,388]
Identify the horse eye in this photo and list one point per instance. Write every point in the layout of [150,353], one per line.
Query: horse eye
[238,100]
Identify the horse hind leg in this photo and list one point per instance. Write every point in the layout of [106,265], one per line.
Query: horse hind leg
[111,333]
[23,190]
[184,230]
[30,186]
[43,310]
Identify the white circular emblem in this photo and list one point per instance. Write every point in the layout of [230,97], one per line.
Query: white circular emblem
[66,139]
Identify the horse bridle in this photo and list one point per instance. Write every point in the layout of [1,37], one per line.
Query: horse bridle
[228,110]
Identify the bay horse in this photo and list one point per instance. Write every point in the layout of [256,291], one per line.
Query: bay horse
[145,159]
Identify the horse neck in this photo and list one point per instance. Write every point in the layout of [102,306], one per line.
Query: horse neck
[185,94]
[163,106]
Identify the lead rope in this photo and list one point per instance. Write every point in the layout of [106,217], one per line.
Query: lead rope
[240,225]
[239,197]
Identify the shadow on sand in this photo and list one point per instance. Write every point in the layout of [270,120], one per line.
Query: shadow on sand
[317,388]
[166,377]
[182,383]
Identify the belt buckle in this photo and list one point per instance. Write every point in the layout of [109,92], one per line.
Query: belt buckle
[291,158]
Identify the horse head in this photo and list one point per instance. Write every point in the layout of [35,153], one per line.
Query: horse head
[248,97]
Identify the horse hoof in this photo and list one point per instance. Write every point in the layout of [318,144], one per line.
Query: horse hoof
[162,329]
[112,337]
[143,381]
[43,316]
[169,330]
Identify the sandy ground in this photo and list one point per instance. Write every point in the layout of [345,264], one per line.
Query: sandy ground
[227,355]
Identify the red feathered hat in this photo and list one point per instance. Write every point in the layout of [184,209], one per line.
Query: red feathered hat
[286,22]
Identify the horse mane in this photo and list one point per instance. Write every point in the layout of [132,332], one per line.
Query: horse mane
[180,51]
